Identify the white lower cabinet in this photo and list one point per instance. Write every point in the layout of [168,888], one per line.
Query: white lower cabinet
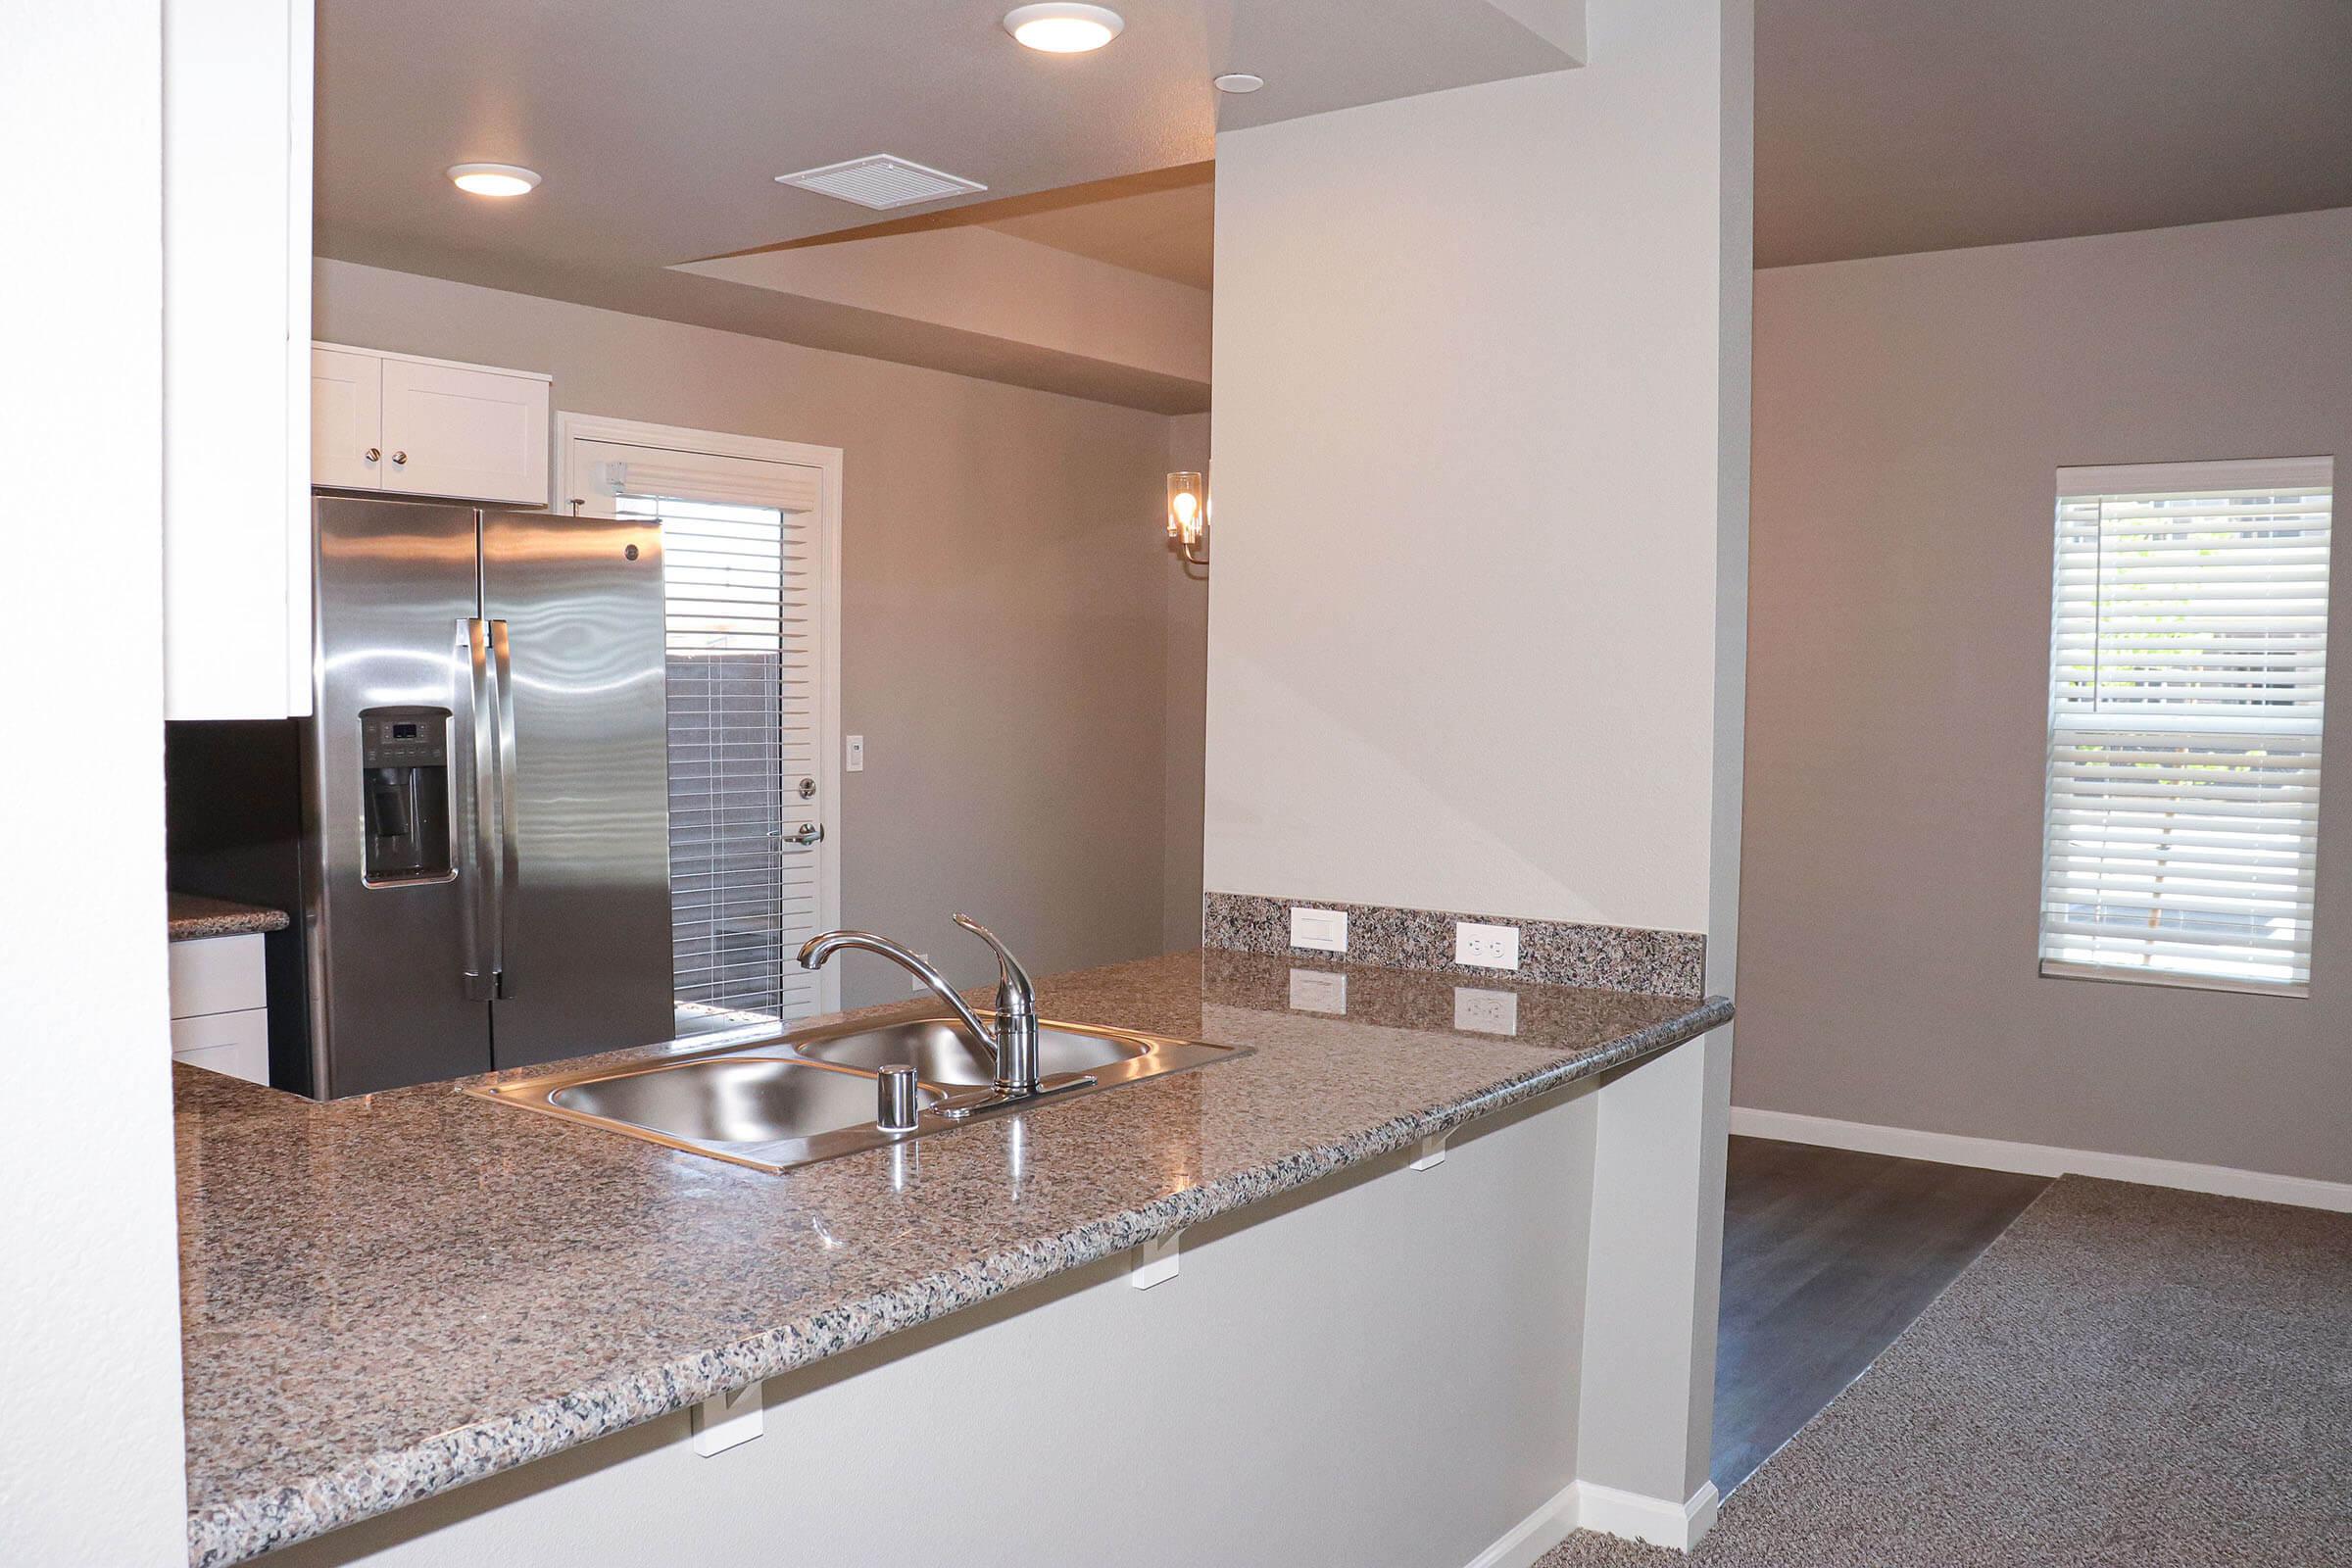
[233,1042]
[221,1006]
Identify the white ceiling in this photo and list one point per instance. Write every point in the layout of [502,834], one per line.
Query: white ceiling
[1885,126]
[660,128]
[1169,232]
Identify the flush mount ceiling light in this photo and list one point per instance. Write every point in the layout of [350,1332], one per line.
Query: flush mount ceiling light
[1238,81]
[493,179]
[1065,29]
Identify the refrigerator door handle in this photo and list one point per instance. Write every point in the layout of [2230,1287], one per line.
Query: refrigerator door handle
[510,855]
[478,799]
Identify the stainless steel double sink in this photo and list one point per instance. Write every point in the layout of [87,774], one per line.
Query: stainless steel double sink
[810,1094]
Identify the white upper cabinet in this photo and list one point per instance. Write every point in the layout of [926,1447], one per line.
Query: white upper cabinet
[237,342]
[427,427]
[459,430]
[347,419]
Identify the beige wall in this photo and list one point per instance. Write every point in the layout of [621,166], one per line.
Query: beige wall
[1480,373]
[1004,607]
[1909,414]
[1187,701]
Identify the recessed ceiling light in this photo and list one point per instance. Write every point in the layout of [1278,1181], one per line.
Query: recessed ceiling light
[493,179]
[1065,29]
[1238,81]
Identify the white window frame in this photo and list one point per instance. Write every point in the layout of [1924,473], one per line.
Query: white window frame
[579,494]
[2070,721]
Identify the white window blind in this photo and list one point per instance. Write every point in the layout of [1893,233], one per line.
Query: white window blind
[2188,658]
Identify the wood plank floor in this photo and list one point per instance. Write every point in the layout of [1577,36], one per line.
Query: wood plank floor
[1828,1254]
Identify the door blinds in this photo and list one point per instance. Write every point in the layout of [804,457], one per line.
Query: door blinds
[2188,681]
[741,701]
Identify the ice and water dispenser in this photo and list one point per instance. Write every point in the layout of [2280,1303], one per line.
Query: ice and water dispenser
[404,761]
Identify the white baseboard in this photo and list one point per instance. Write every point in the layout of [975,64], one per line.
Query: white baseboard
[1583,1505]
[2041,1159]
[1660,1521]
[1537,1534]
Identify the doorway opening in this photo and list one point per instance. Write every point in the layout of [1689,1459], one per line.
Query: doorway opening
[752,672]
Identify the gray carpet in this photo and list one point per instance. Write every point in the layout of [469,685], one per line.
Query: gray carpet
[2129,1376]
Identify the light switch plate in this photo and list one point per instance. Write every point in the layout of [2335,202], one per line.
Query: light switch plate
[1486,1013]
[855,759]
[1319,930]
[1487,946]
[1319,991]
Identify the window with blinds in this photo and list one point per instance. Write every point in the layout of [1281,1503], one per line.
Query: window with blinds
[724,573]
[2189,659]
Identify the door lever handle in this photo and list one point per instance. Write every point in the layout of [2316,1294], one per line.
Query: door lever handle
[810,833]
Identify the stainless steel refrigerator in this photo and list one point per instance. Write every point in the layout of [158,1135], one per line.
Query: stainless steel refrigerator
[485,860]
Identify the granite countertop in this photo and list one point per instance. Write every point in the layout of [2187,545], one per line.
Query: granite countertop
[387,1296]
[192,915]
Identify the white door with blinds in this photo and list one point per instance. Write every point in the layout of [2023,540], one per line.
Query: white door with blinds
[747,575]
[2189,666]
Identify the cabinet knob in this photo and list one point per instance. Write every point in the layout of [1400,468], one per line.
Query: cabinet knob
[399,458]
[374,453]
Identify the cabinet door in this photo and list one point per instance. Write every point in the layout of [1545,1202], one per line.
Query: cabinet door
[234,1043]
[456,431]
[347,419]
[217,974]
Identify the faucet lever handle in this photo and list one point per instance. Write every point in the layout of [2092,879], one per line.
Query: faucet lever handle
[1016,992]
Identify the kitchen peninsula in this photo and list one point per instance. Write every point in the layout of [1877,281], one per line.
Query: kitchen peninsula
[388,1297]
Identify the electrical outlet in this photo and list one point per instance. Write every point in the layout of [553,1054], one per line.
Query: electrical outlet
[1486,947]
[1319,930]
[1486,1013]
[855,748]
[1319,991]
[916,986]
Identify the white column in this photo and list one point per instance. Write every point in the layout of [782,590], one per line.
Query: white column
[90,1458]
[1648,1403]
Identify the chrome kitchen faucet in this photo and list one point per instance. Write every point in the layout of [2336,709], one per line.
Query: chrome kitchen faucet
[1010,1044]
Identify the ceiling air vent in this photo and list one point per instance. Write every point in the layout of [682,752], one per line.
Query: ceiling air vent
[880,181]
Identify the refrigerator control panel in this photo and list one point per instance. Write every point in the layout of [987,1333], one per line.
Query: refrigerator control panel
[404,737]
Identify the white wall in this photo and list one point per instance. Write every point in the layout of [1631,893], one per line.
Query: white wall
[1477,355]
[90,1462]
[1380,1370]
[1477,639]
[1910,413]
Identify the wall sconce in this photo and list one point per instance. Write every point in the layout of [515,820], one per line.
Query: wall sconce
[1187,515]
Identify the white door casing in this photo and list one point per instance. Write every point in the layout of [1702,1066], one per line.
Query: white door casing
[598,460]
